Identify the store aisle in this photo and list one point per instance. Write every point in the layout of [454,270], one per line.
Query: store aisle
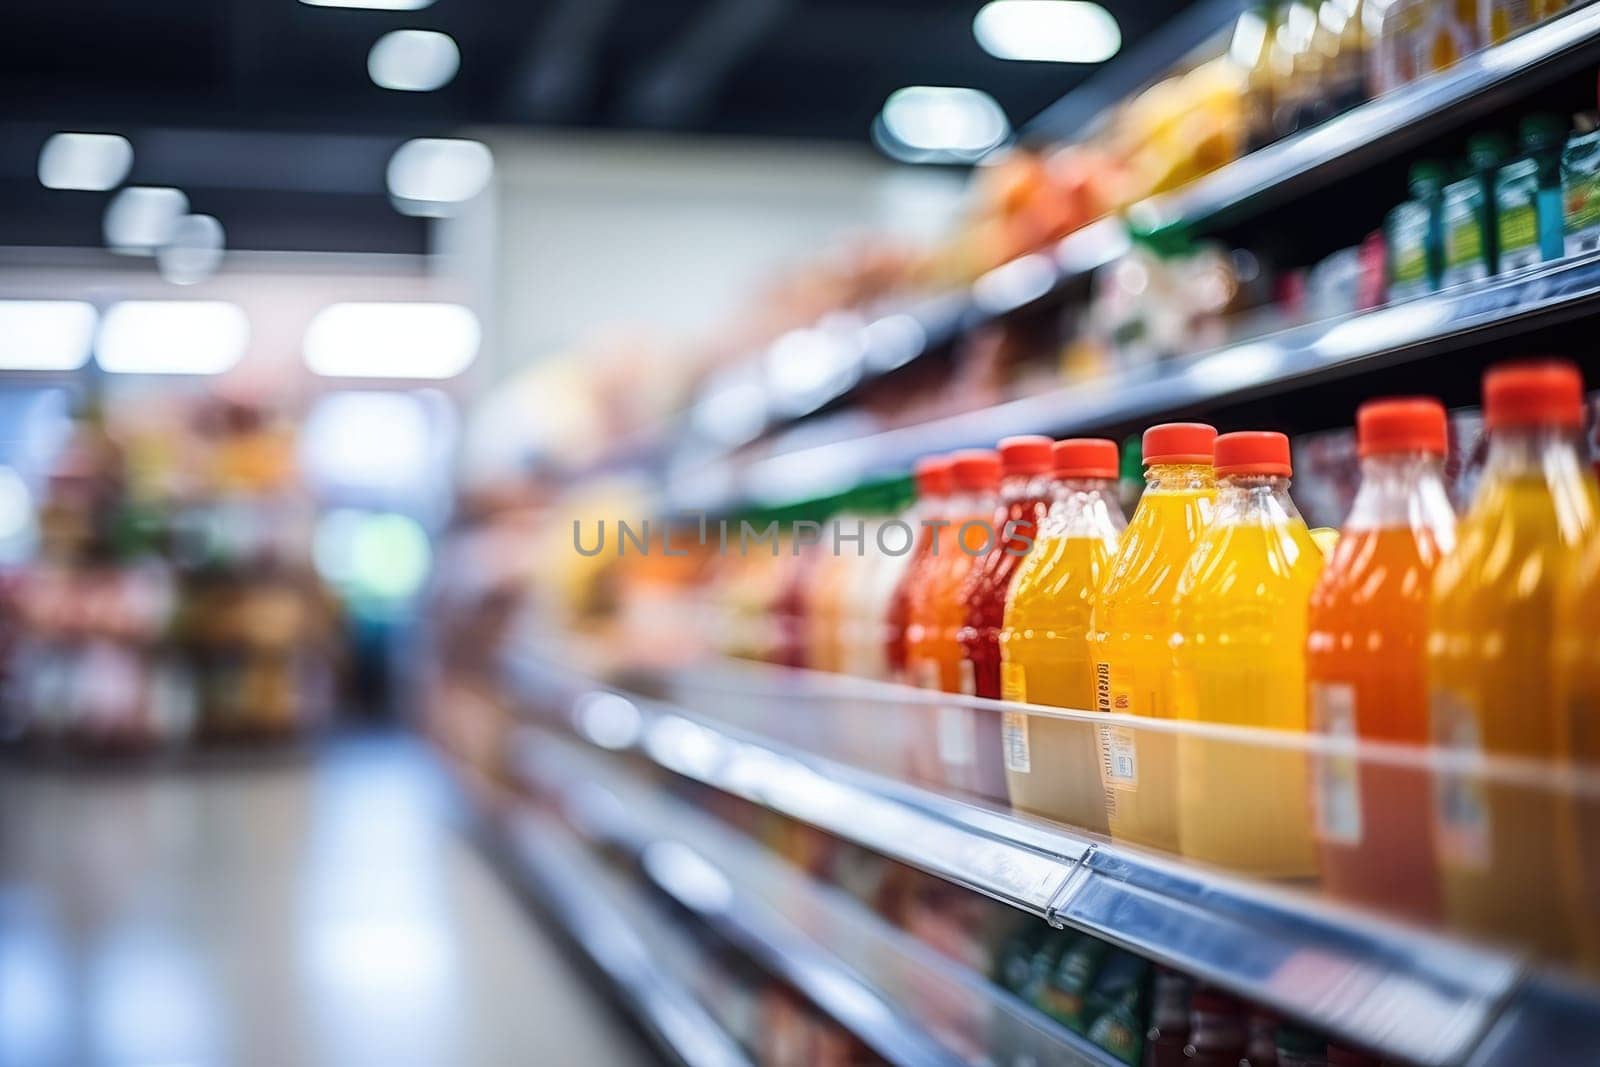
[326,912]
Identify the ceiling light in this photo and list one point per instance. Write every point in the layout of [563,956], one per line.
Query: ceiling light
[413,61]
[45,334]
[172,337]
[392,340]
[142,218]
[373,5]
[195,251]
[430,175]
[93,162]
[934,123]
[1047,31]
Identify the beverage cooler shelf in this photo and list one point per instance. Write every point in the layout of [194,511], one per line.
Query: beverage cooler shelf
[1296,358]
[883,985]
[1407,993]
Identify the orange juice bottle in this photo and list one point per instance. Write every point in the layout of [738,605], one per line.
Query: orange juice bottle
[934,485]
[1053,766]
[1578,680]
[1238,645]
[1366,663]
[1505,847]
[1131,621]
[936,613]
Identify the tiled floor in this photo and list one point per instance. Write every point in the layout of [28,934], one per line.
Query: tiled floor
[319,912]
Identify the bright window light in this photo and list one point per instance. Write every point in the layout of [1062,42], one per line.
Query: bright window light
[172,337]
[1047,31]
[142,218]
[935,123]
[368,440]
[373,5]
[195,251]
[430,175]
[93,162]
[45,334]
[392,340]
[413,61]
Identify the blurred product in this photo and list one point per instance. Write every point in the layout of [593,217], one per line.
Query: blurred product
[1168,1036]
[1503,19]
[1366,661]
[1131,619]
[883,554]
[1503,847]
[1218,1030]
[1580,188]
[1051,765]
[1467,218]
[1527,195]
[1300,1048]
[1414,232]
[1064,992]
[1238,648]
[934,487]
[936,610]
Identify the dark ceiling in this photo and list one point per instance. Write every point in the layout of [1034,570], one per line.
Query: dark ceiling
[262,111]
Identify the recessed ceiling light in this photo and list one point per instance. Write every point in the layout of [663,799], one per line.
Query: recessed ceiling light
[142,218]
[46,334]
[392,340]
[172,337]
[195,251]
[937,123]
[373,5]
[1047,31]
[90,161]
[432,175]
[413,61]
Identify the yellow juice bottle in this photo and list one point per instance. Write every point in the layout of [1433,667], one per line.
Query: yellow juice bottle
[1238,644]
[1578,685]
[1131,621]
[1506,847]
[1052,765]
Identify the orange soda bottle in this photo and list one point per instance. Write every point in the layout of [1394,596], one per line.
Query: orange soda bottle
[1366,662]
[934,485]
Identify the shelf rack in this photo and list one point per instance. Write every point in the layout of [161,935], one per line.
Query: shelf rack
[1294,358]
[1373,131]
[1421,997]
[860,969]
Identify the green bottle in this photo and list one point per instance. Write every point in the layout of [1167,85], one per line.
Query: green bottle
[1527,195]
[1413,233]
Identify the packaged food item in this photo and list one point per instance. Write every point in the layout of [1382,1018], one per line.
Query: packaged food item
[1300,101]
[1065,991]
[1133,667]
[1527,194]
[1468,217]
[1025,489]
[1300,1048]
[1119,1006]
[1450,32]
[1393,30]
[1169,1019]
[1580,189]
[1334,285]
[1251,50]
[1218,1033]
[1052,765]
[1345,79]
[1366,661]
[1577,667]
[1262,1050]
[1238,651]
[1414,234]
[1504,847]
[1503,19]
[934,486]
[887,540]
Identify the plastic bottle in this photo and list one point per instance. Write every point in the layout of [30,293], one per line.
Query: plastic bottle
[1218,1030]
[934,485]
[1527,195]
[876,563]
[823,612]
[1238,643]
[1251,50]
[1131,620]
[1504,847]
[1366,661]
[1467,220]
[1414,233]
[936,612]
[1025,491]
[1580,188]
[1053,766]
[1577,667]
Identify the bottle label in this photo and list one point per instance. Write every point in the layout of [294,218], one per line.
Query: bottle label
[1014,737]
[1119,761]
[1459,801]
[1463,234]
[1013,682]
[1516,196]
[1580,189]
[1336,776]
[1408,251]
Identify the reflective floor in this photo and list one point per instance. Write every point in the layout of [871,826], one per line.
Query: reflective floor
[325,911]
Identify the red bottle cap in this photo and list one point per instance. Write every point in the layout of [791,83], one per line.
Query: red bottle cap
[1028,454]
[1545,393]
[933,476]
[1253,452]
[1180,442]
[975,469]
[1401,424]
[1086,457]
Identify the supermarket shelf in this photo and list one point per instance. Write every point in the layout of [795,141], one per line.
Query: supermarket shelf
[1294,358]
[1379,128]
[846,945]
[1426,998]
[561,877]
